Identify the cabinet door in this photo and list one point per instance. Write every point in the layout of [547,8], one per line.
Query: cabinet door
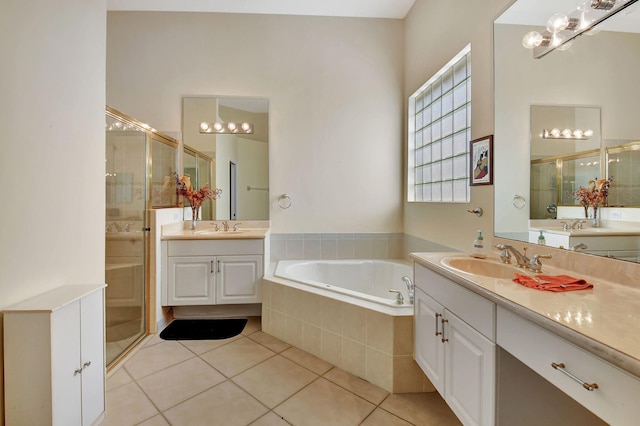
[66,373]
[240,279]
[470,372]
[429,350]
[92,355]
[191,280]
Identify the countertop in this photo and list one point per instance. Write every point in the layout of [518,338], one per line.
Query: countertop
[209,233]
[604,320]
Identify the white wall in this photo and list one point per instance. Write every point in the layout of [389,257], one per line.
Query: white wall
[435,32]
[335,94]
[52,146]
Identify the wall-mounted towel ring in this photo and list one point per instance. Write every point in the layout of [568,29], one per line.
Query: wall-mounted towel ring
[284,201]
[519,202]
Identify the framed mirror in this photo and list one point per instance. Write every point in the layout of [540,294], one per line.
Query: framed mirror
[592,77]
[240,159]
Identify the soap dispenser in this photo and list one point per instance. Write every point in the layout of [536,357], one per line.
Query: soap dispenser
[478,247]
[541,240]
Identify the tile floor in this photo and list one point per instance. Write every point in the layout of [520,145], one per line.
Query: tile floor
[253,379]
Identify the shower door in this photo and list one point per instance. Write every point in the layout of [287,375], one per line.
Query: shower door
[125,236]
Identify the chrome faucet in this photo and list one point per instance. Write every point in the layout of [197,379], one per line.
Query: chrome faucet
[225,226]
[410,288]
[399,298]
[577,224]
[521,260]
[236,226]
[535,265]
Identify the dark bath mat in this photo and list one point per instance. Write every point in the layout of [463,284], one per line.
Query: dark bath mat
[203,329]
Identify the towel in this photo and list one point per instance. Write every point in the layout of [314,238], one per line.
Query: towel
[555,283]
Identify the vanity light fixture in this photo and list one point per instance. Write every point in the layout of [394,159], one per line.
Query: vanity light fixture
[562,29]
[226,128]
[567,134]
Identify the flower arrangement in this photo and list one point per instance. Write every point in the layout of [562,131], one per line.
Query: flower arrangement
[195,197]
[593,196]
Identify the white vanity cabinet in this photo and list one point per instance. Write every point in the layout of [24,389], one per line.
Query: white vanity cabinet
[213,272]
[454,333]
[605,390]
[54,361]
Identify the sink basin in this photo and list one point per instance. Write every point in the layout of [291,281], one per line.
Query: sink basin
[484,267]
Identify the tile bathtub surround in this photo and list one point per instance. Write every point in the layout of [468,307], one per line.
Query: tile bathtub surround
[366,343]
[348,246]
[215,382]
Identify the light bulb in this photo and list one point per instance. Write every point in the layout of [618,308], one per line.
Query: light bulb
[231,126]
[566,133]
[245,126]
[555,133]
[588,133]
[532,39]
[217,126]
[204,126]
[584,5]
[578,133]
[557,23]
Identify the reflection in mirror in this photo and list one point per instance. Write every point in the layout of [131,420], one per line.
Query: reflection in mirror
[247,196]
[198,167]
[565,154]
[595,71]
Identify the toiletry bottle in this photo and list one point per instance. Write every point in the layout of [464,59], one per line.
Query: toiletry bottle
[478,246]
[541,240]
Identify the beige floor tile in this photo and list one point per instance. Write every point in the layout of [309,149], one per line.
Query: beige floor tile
[180,382]
[269,341]
[237,356]
[324,403]
[154,421]
[421,408]
[155,358]
[118,378]
[360,387]
[383,418]
[253,325]
[225,404]
[274,380]
[153,339]
[307,360]
[127,405]
[270,419]
[199,347]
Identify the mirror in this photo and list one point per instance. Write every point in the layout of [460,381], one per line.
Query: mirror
[240,161]
[593,76]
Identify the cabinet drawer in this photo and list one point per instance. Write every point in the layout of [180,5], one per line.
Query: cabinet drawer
[214,247]
[475,310]
[615,399]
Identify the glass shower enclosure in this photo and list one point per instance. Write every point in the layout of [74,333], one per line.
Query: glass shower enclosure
[139,175]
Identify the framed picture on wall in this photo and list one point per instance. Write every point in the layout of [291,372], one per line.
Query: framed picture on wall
[482,161]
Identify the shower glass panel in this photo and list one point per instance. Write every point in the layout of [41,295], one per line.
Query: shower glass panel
[126,177]
[140,175]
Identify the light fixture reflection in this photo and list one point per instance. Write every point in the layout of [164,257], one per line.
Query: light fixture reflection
[224,128]
[569,134]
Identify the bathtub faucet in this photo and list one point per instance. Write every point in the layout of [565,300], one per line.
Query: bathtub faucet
[399,298]
[410,288]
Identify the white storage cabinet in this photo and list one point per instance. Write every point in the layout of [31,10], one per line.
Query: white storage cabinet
[54,361]
[211,272]
[454,345]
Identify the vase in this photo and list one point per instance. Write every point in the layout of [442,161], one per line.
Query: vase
[194,216]
[596,220]
[586,211]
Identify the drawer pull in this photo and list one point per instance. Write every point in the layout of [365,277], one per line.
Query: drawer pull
[443,338]
[561,368]
[438,333]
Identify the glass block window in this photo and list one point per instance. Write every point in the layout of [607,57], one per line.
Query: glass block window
[439,135]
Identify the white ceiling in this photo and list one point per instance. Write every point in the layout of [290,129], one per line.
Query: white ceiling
[349,8]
